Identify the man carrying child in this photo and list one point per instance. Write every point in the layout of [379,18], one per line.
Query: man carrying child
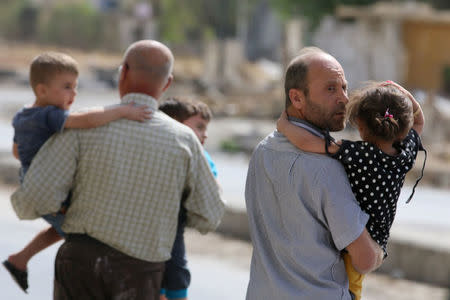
[127,179]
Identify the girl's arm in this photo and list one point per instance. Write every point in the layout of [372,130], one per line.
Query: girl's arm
[100,116]
[302,138]
[15,150]
[419,119]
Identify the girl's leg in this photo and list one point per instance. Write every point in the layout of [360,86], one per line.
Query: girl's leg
[355,279]
[42,240]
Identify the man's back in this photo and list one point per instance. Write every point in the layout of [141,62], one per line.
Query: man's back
[127,180]
[301,214]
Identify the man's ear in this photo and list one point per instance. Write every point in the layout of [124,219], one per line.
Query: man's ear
[169,81]
[297,98]
[123,72]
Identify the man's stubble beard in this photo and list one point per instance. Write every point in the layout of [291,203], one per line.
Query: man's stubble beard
[317,116]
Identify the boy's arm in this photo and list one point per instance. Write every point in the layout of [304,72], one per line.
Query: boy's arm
[100,116]
[419,119]
[15,150]
[302,138]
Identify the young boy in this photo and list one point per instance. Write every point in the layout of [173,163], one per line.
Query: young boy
[53,78]
[195,115]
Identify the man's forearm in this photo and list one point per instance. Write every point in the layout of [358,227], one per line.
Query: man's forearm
[28,207]
[365,253]
[23,208]
[49,178]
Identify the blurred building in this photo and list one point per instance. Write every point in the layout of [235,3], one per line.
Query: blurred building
[402,41]
[406,42]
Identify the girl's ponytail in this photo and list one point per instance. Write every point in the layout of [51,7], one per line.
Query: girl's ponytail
[385,111]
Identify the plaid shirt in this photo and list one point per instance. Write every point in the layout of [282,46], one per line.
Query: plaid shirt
[127,180]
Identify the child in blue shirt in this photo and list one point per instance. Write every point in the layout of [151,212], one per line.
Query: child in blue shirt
[53,78]
[196,115]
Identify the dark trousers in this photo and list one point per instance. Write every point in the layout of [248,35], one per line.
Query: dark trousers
[86,268]
[176,275]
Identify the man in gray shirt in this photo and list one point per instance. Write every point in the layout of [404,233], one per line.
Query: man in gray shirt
[302,212]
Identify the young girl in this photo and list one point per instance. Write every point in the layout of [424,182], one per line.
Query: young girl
[389,121]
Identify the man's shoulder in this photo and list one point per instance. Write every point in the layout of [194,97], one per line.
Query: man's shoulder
[277,142]
[278,148]
[173,127]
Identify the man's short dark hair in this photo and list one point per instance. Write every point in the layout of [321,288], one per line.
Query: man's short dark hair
[181,109]
[296,76]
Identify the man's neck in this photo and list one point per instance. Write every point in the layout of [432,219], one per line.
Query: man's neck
[308,126]
[297,118]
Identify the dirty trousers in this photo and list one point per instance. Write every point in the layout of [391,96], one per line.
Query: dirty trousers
[86,268]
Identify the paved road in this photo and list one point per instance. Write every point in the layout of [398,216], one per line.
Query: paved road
[219,265]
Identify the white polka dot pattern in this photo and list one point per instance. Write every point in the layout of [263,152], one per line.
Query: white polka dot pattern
[370,171]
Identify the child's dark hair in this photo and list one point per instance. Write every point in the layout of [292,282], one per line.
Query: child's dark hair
[384,109]
[181,109]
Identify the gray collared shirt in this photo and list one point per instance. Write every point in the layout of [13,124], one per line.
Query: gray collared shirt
[301,212]
[126,179]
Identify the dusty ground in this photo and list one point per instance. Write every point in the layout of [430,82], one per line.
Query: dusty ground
[376,287]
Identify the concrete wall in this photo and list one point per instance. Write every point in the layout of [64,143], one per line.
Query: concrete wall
[407,259]
[367,50]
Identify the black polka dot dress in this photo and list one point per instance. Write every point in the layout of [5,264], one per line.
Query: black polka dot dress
[376,179]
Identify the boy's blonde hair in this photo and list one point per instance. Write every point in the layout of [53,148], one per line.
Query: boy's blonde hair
[46,66]
[181,109]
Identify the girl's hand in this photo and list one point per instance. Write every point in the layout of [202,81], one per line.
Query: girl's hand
[282,122]
[134,112]
[419,119]
[400,88]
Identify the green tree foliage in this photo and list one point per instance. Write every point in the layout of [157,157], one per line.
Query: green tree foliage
[72,25]
[197,19]
[313,11]
[18,19]
[439,4]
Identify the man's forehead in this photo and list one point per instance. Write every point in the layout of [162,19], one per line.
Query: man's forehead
[326,69]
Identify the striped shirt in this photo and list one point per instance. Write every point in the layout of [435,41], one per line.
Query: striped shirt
[126,179]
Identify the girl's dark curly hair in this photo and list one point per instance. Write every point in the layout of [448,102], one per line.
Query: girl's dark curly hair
[369,105]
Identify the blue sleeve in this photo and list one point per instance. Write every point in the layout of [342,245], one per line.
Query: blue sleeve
[56,118]
[212,165]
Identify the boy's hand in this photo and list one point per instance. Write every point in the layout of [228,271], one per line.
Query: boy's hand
[282,122]
[15,150]
[136,112]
